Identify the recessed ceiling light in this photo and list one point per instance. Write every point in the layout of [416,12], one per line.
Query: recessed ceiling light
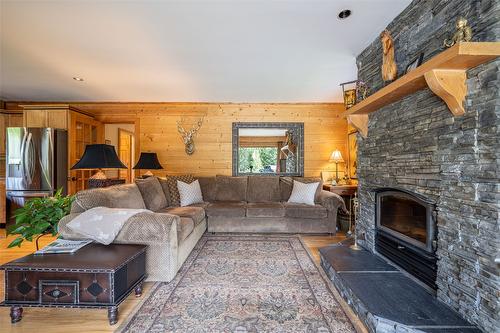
[344,14]
[76,78]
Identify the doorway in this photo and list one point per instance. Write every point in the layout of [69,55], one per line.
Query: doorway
[123,136]
[125,153]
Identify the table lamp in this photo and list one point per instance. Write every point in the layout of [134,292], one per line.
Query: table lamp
[99,156]
[336,158]
[148,161]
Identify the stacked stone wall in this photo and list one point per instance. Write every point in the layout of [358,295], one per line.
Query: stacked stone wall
[417,144]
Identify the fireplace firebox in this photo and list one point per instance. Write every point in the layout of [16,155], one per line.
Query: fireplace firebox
[406,232]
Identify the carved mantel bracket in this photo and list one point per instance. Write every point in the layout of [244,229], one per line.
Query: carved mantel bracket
[450,86]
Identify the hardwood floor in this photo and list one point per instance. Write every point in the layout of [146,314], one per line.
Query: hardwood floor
[49,320]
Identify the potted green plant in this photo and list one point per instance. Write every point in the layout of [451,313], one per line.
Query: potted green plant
[39,217]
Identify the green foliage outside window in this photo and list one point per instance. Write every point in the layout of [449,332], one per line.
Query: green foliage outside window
[257,160]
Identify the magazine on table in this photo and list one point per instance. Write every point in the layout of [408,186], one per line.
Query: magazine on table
[63,246]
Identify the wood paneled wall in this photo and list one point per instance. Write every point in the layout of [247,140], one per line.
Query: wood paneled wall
[325,130]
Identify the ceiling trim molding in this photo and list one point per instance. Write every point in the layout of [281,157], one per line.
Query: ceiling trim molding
[105,109]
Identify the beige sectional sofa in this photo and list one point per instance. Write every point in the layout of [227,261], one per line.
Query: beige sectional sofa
[232,204]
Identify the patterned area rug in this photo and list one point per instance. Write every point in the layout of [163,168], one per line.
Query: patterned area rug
[243,284]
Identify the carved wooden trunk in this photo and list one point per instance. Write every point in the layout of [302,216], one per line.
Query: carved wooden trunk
[94,276]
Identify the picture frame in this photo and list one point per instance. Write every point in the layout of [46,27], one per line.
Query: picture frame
[349,98]
[414,63]
[352,156]
[327,176]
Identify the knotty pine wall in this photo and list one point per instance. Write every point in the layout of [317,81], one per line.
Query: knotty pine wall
[325,130]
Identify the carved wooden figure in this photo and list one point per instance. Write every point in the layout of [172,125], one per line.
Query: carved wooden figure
[389,69]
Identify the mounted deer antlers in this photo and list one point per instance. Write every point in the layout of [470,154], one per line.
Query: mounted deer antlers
[187,137]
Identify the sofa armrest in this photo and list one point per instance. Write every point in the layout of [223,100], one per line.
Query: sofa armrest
[331,201]
[142,228]
[149,227]
[157,230]
[66,232]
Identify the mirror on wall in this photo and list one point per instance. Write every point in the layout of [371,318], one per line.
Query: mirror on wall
[268,149]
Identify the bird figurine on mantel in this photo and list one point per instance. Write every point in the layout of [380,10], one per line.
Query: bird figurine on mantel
[389,69]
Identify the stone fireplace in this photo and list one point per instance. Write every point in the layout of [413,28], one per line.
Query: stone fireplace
[417,146]
[406,232]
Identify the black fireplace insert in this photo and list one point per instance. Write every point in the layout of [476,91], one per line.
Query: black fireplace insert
[406,232]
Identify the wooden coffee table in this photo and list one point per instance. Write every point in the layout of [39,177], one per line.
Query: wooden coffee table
[96,276]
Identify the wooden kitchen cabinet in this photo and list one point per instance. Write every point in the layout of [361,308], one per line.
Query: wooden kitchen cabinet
[58,119]
[14,120]
[35,118]
[7,119]
[83,130]
[47,116]
[3,204]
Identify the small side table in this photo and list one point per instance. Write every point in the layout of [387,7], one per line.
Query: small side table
[96,183]
[96,276]
[347,192]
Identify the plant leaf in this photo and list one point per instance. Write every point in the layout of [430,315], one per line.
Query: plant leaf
[16,242]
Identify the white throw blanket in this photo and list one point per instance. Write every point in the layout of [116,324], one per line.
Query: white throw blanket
[102,224]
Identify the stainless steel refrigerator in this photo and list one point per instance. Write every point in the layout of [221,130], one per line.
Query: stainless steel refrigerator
[36,164]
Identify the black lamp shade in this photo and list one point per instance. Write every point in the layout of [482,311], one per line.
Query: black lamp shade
[148,161]
[99,156]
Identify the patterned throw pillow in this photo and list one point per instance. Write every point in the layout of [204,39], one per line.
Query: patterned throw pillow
[303,193]
[175,199]
[189,193]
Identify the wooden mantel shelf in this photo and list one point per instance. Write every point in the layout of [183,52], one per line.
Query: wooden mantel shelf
[444,74]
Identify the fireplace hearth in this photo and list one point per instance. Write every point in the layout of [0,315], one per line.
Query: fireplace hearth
[406,232]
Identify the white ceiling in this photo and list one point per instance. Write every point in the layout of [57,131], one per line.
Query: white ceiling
[197,51]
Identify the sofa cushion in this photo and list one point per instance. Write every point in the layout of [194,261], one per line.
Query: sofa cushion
[263,189]
[164,185]
[303,193]
[226,209]
[265,209]
[118,196]
[175,199]
[231,188]
[197,214]
[305,211]
[200,204]
[87,199]
[307,180]
[125,196]
[286,186]
[184,228]
[189,193]
[152,193]
[208,187]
